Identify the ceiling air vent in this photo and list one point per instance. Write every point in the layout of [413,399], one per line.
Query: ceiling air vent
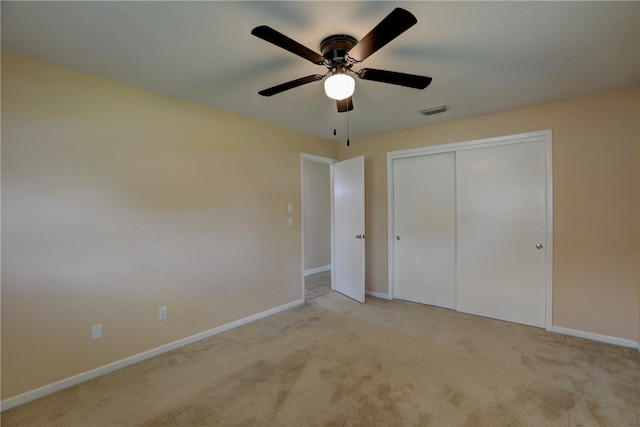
[434,110]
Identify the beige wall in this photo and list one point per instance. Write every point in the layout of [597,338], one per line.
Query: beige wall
[317,214]
[116,201]
[596,202]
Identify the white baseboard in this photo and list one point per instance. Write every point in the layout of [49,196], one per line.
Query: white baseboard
[119,364]
[596,337]
[377,295]
[317,270]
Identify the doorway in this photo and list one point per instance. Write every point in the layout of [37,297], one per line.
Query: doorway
[316,225]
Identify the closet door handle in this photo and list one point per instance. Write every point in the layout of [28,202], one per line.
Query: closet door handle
[397,237]
[539,246]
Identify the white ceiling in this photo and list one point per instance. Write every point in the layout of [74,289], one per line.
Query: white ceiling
[484,57]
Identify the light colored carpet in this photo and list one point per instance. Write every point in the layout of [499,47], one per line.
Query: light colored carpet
[334,362]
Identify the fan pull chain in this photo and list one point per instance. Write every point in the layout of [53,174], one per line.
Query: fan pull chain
[348,133]
[335,116]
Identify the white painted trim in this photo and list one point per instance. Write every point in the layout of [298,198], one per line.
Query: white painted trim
[391,248]
[119,364]
[470,145]
[313,158]
[317,270]
[544,135]
[333,230]
[549,232]
[596,337]
[377,295]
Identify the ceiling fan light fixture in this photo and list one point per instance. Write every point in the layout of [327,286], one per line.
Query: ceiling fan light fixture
[339,86]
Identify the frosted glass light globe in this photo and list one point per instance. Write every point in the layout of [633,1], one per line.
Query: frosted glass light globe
[339,86]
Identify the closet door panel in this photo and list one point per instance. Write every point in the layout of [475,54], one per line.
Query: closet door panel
[424,229]
[500,220]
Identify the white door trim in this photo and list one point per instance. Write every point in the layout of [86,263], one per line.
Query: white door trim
[319,159]
[544,135]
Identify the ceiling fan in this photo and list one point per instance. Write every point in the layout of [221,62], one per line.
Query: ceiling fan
[340,53]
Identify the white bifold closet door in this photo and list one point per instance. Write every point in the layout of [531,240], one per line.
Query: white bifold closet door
[425,229]
[501,216]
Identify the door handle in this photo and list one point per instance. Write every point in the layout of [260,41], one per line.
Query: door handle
[361,236]
[539,246]
[397,237]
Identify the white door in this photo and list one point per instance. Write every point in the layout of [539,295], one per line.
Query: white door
[501,216]
[348,228]
[425,229]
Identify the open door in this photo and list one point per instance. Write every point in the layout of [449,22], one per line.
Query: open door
[348,228]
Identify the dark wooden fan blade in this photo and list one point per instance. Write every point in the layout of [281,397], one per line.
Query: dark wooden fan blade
[272,36]
[396,23]
[290,85]
[345,105]
[394,78]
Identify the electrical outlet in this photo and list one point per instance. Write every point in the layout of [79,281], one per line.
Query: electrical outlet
[163,313]
[96,332]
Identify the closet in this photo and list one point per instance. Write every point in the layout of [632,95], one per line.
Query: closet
[470,227]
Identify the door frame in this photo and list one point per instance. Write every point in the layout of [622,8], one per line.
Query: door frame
[543,135]
[318,159]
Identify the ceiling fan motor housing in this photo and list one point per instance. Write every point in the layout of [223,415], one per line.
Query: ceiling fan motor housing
[334,48]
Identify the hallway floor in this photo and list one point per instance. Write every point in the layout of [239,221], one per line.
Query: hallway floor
[317,284]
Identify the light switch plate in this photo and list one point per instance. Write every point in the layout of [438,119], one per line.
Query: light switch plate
[96,332]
